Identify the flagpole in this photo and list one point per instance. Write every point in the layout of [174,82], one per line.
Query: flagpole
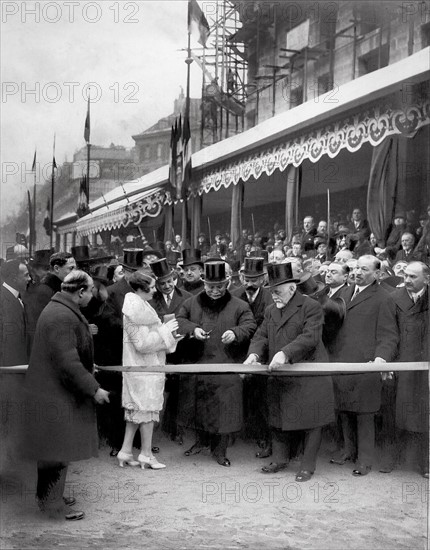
[188,61]
[88,151]
[51,236]
[328,225]
[33,232]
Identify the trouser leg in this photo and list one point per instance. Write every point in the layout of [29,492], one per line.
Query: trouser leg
[51,480]
[348,433]
[280,446]
[365,438]
[312,444]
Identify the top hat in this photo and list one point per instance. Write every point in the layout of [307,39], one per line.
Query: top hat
[215,272]
[98,255]
[191,256]
[41,257]
[152,251]
[235,266]
[253,268]
[161,268]
[260,254]
[309,286]
[81,253]
[280,274]
[100,273]
[133,258]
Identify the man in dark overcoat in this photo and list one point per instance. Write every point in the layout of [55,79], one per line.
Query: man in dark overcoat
[166,301]
[61,391]
[255,386]
[291,333]
[369,334]
[219,327]
[412,311]
[192,266]
[13,334]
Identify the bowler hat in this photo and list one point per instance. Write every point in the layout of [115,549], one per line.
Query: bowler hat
[161,268]
[41,257]
[132,259]
[100,273]
[309,286]
[191,256]
[215,272]
[253,268]
[280,274]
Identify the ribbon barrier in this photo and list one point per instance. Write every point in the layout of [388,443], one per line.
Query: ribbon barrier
[296,369]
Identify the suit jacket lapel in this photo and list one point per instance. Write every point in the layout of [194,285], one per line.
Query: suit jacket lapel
[363,295]
[404,301]
[281,316]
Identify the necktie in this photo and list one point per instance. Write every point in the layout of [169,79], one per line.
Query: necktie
[168,301]
[356,293]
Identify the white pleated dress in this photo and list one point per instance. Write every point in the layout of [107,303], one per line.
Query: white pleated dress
[145,343]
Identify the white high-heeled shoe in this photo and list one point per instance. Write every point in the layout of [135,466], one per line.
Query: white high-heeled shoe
[125,458]
[150,462]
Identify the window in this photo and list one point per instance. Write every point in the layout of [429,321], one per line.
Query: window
[374,60]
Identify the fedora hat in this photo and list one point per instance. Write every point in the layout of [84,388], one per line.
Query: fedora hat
[309,286]
[41,257]
[81,253]
[280,274]
[132,258]
[100,273]
[215,272]
[253,267]
[191,256]
[161,268]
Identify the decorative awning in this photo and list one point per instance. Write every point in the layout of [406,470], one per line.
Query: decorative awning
[122,213]
[370,126]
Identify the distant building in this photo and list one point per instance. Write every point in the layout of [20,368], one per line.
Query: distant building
[153,145]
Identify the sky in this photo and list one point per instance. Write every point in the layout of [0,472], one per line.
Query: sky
[127,53]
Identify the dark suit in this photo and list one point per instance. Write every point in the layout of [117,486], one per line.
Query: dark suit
[255,386]
[345,291]
[412,256]
[108,351]
[13,340]
[362,228]
[307,239]
[368,331]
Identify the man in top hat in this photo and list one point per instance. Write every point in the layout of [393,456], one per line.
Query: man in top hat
[290,333]
[192,266]
[60,265]
[258,298]
[166,301]
[218,327]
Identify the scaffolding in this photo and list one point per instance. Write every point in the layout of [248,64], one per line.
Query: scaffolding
[224,75]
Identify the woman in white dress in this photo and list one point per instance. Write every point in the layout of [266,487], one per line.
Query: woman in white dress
[146,342]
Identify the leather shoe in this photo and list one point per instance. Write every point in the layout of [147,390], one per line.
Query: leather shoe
[155,450]
[69,501]
[304,475]
[274,467]
[196,449]
[361,471]
[341,459]
[222,460]
[264,453]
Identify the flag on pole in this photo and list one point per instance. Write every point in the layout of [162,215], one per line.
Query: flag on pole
[30,221]
[47,218]
[186,158]
[83,207]
[87,123]
[197,23]
[33,168]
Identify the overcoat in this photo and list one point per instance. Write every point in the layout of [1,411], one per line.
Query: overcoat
[412,404]
[213,403]
[297,402]
[59,412]
[13,341]
[368,331]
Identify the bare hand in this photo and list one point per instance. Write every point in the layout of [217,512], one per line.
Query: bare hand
[279,359]
[228,337]
[252,359]
[172,325]
[200,334]
[94,329]
[101,396]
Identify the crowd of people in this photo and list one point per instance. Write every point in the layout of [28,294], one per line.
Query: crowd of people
[330,294]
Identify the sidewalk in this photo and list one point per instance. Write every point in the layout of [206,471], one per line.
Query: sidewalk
[195,503]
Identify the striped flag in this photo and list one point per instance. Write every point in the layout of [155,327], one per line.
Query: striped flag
[197,23]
